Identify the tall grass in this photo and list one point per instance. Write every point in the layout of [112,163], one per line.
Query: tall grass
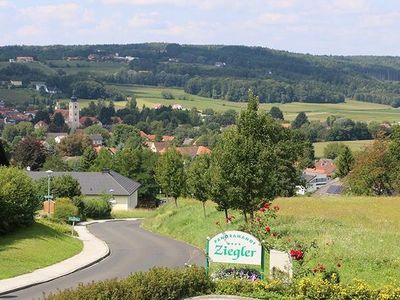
[358,236]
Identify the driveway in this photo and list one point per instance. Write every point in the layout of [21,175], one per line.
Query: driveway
[132,249]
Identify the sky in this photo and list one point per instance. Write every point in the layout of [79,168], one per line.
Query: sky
[338,27]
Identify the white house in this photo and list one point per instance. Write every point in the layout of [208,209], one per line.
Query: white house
[123,191]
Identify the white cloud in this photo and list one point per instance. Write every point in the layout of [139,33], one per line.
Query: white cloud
[144,20]
[4,3]
[64,11]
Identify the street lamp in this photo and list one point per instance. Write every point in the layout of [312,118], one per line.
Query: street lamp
[48,197]
[112,200]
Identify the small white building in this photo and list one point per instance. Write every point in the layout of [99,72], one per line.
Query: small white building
[123,191]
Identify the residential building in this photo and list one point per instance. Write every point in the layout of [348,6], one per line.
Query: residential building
[193,151]
[24,59]
[16,83]
[123,191]
[41,125]
[97,139]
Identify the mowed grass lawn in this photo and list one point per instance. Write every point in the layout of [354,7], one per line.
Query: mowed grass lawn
[35,247]
[360,233]
[356,110]
[355,146]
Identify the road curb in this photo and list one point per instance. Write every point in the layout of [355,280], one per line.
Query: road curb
[94,250]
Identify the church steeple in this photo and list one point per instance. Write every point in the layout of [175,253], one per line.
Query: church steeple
[73,114]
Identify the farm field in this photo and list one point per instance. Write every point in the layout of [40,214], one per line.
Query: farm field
[356,110]
[27,249]
[360,233]
[149,96]
[17,95]
[354,146]
[73,67]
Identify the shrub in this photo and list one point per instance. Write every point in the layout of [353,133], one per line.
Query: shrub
[18,200]
[97,208]
[64,208]
[237,273]
[158,283]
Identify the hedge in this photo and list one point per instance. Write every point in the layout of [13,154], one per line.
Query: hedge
[156,284]
[97,208]
[171,284]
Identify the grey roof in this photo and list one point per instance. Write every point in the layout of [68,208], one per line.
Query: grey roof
[96,136]
[308,177]
[97,183]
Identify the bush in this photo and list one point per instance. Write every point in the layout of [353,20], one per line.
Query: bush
[18,200]
[167,95]
[65,208]
[237,273]
[158,283]
[97,208]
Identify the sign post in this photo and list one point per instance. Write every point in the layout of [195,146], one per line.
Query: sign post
[236,247]
[73,220]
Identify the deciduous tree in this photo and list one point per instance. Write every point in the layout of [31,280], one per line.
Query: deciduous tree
[169,172]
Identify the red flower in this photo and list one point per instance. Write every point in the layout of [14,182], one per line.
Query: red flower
[262,209]
[258,219]
[319,269]
[276,207]
[267,205]
[268,229]
[297,254]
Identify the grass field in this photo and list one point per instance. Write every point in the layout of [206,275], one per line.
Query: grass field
[17,95]
[40,245]
[73,67]
[361,233]
[360,111]
[354,146]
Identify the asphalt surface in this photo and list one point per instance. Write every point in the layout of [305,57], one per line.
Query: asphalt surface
[132,249]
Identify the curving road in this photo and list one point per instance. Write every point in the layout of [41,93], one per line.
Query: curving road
[132,249]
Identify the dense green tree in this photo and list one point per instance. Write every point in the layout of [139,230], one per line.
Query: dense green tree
[276,113]
[121,133]
[74,144]
[3,155]
[198,181]
[60,186]
[103,161]
[42,115]
[332,150]
[138,164]
[170,175]
[21,130]
[88,158]
[55,163]
[29,152]
[18,199]
[300,120]
[255,162]
[344,162]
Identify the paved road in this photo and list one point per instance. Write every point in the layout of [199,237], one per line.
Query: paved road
[132,249]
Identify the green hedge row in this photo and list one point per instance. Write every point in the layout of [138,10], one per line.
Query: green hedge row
[170,284]
[156,284]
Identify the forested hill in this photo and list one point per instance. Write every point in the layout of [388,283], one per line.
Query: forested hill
[227,72]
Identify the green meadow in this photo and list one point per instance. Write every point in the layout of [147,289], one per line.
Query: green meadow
[355,146]
[356,110]
[360,234]
[40,245]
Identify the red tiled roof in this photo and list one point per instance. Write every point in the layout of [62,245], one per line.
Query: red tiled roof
[323,166]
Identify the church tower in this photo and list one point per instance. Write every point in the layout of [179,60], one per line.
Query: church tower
[73,114]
